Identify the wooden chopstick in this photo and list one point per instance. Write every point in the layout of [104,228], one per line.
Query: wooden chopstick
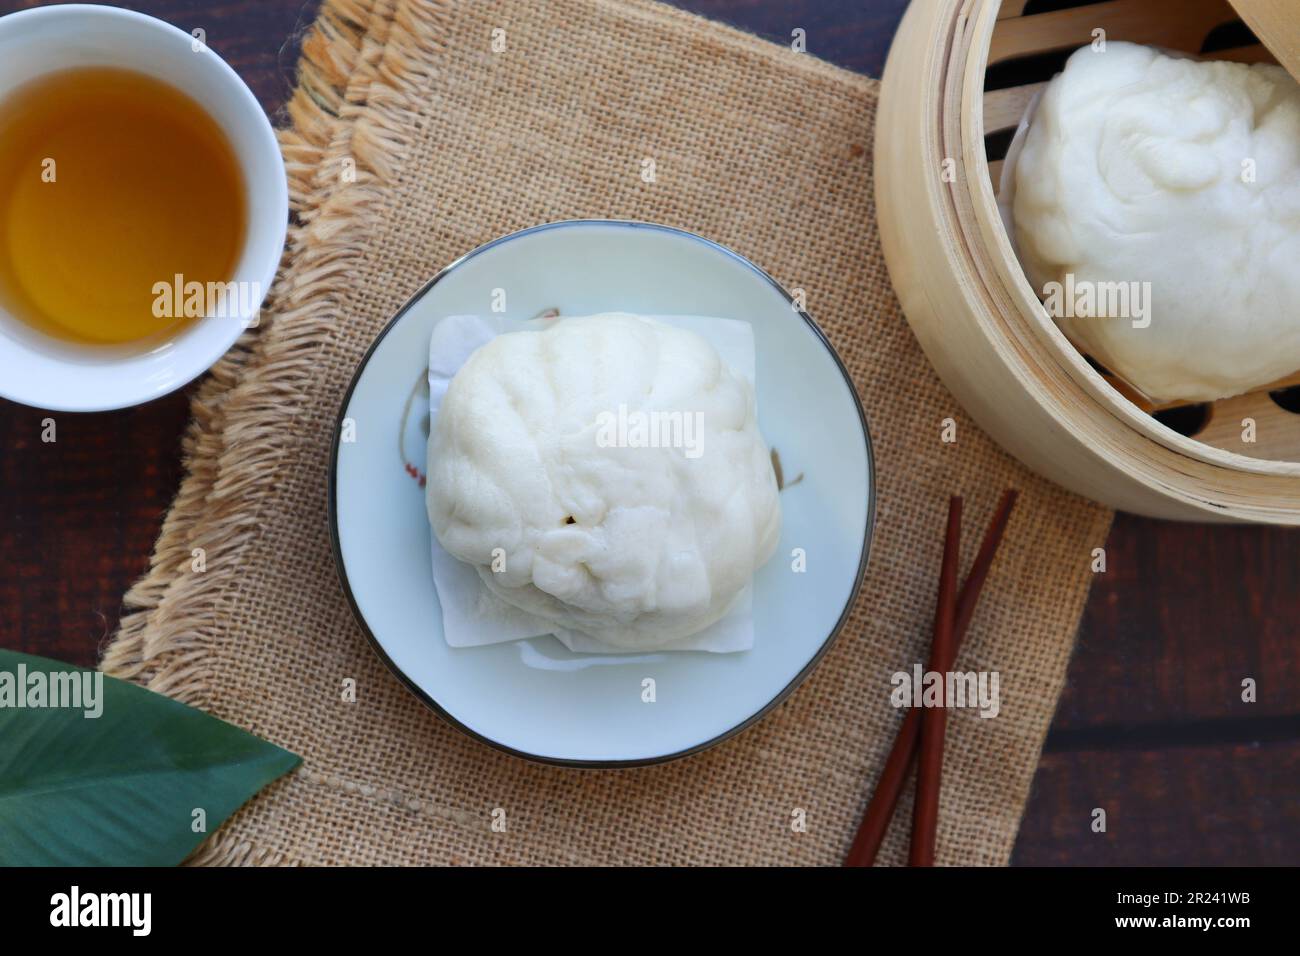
[871,833]
[929,767]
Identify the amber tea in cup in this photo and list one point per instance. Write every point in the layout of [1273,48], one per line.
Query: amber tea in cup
[116,192]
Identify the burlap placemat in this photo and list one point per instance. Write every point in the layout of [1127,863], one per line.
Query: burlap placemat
[412,141]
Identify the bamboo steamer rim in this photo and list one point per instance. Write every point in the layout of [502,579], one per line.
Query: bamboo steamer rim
[1164,474]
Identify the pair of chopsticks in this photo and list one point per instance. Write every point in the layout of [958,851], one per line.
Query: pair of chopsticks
[923,728]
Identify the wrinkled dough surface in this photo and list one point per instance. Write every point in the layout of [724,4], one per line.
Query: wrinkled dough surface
[1132,170]
[635,546]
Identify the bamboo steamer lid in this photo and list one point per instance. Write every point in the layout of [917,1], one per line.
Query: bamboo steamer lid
[1277,24]
[971,307]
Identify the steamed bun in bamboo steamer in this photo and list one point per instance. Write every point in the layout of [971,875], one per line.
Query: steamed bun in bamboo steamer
[1170,186]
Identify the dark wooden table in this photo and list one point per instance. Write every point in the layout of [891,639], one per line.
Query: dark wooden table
[1152,726]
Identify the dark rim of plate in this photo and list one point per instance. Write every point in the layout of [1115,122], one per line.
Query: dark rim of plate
[433,704]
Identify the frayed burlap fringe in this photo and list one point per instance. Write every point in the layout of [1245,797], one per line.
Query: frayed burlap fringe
[335,160]
[221,850]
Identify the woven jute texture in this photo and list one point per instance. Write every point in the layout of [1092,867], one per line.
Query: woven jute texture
[412,141]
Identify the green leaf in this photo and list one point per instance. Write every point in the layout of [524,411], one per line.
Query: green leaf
[120,789]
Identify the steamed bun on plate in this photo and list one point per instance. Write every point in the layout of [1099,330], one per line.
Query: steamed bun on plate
[613,468]
[1140,167]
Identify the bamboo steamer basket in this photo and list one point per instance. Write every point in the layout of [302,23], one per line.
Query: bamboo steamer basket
[961,70]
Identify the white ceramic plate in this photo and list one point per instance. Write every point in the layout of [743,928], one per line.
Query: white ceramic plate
[534,698]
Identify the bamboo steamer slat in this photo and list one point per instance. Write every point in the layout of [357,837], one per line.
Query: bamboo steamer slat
[974,312]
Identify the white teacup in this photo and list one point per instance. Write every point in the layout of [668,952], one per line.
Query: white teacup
[40,371]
